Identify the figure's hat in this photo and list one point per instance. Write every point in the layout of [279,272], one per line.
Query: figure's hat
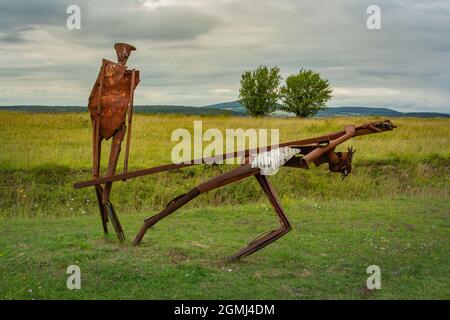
[123,51]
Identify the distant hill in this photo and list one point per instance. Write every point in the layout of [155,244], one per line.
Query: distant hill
[375,111]
[233,105]
[235,108]
[148,109]
[49,109]
[187,110]
[341,111]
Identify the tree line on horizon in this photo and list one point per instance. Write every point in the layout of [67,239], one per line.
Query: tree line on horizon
[303,94]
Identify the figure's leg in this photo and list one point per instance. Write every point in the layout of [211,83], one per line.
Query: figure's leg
[273,235]
[219,181]
[113,159]
[114,220]
[103,215]
[112,164]
[96,156]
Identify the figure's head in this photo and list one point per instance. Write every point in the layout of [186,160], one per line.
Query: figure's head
[123,51]
[341,162]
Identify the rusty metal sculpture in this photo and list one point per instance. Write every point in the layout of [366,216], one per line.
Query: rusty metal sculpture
[110,102]
[108,114]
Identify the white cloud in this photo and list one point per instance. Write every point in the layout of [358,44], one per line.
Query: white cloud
[219,91]
[365,92]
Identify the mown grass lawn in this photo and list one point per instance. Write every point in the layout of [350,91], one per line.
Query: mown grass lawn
[183,257]
[392,211]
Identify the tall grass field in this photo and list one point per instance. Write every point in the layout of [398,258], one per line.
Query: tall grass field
[392,211]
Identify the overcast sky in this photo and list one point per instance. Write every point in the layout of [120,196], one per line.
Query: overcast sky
[193,52]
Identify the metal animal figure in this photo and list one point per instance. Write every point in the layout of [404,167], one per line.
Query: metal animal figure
[115,86]
[110,103]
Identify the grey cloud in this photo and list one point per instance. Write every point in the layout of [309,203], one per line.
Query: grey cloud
[107,20]
[166,24]
[15,36]
[12,37]
[17,14]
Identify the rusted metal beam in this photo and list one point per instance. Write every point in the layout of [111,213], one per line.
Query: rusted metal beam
[338,162]
[359,131]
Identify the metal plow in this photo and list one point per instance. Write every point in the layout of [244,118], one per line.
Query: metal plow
[111,108]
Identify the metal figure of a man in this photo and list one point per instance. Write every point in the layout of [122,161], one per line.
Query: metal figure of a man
[111,108]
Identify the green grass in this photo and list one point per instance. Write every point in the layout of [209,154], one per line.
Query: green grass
[324,256]
[392,211]
[43,154]
[64,140]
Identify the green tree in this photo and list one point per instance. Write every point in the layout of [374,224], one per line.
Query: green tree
[305,93]
[259,91]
